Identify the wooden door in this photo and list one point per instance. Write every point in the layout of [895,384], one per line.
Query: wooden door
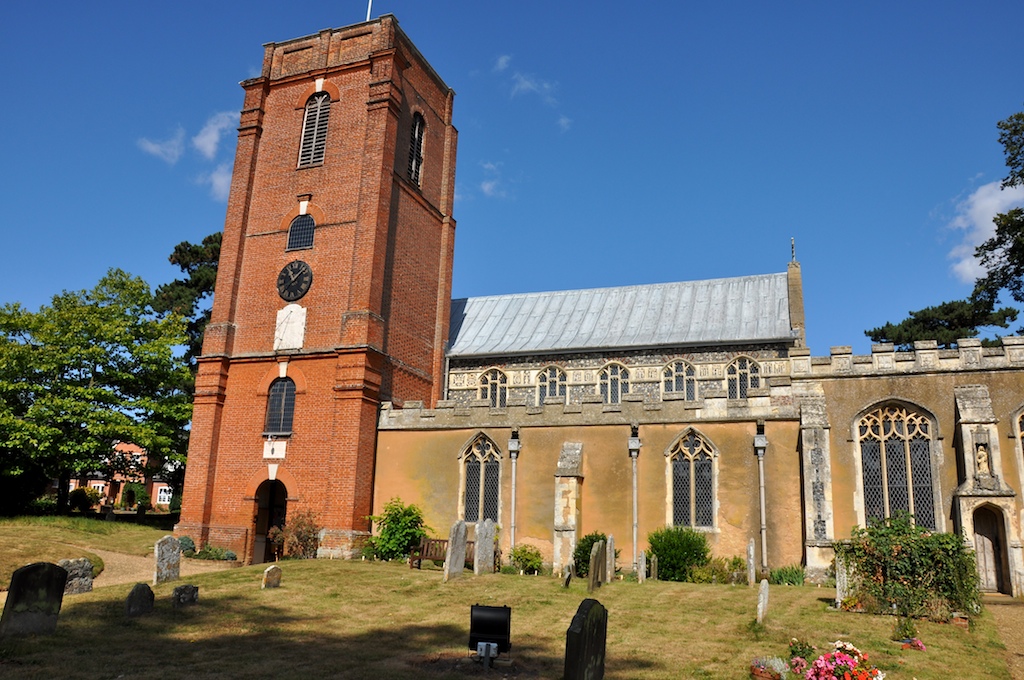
[988,549]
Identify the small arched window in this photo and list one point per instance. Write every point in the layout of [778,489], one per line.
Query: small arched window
[314,130]
[482,481]
[494,388]
[680,378]
[416,148]
[896,462]
[300,233]
[742,375]
[551,383]
[280,407]
[613,382]
[693,483]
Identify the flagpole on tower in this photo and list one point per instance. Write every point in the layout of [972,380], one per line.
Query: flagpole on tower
[369,6]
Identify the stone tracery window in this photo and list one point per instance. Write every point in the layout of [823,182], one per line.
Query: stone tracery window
[494,388]
[680,378]
[895,448]
[481,471]
[314,130]
[613,382]
[551,383]
[693,481]
[742,374]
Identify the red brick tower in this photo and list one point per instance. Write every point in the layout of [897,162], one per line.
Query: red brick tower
[333,287]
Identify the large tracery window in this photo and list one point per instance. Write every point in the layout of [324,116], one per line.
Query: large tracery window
[416,148]
[613,382]
[741,375]
[482,480]
[494,388]
[314,130]
[551,383]
[680,378]
[895,449]
[280,407]
[693,483]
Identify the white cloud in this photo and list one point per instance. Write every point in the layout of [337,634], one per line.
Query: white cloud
[564,123]
[974,217]
[219,181]
[502,62]
[527,84]
[169,150]
[493,186]
[208,139]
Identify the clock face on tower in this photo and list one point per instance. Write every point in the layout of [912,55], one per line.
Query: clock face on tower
[294,280]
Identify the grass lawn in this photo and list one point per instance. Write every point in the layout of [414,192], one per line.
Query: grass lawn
[339,619]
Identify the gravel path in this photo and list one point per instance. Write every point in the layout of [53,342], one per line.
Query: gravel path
[1009,615]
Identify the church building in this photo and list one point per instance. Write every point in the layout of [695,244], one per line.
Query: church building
[337,372]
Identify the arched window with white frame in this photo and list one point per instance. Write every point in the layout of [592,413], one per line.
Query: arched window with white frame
[691,478]
[494,388]
[741,375]
[895,444]
[551,384]
[481,480]
[680,378]
[613,382]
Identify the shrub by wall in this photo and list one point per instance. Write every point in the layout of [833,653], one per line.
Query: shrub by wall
[679,551]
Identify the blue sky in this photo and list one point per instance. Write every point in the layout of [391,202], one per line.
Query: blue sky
[600,143]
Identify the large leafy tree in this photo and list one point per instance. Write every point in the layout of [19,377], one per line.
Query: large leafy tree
[1002,256]
[92,368]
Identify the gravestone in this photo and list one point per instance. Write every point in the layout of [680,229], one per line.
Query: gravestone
[597,560]
[483,550]
[566,575]
[751,578]
[79,575]
[654,567]
[641,567]
[585,642]
[762,601]
[33,600]
[609,572]
[139,601]
[843,585]
[271,577]
[167,553]
[185,596]
[455,556]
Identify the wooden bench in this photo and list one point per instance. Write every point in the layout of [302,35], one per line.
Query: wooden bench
[437,549]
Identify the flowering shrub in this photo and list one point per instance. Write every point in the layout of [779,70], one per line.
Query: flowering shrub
[846,662]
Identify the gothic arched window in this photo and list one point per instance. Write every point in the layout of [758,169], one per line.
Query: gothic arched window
[741,375]
[300,233]
[280,407]
[693,482]
[895,452]
[613,382]
[551,383]
[494,388]
[680,378]
[416,148]
[481,469]
[314,130]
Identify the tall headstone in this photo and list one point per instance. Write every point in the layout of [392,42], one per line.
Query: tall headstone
[185,596]
[271,577]
[567,575]
[167,553]
[33,600]
[455,556]
[751,578]
[596,566]
[654,567]
[79,575]
[609,572]
[139,601]
[843,584]
[483,549]
[641,567]
[762,601]
[585,642]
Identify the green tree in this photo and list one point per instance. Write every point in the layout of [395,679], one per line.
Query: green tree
[1002,256]
[93,368]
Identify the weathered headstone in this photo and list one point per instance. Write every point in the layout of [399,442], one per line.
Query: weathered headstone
[167,553]
[139,601]
[609,572]
[585,642]
[184,596]
[79,575]
[271,577]
[567,575]
[762,601]
[641,567]
[751,578]
[455,557]
[843,584]
[654,567]
[33,600]
[597,560]
[483,550]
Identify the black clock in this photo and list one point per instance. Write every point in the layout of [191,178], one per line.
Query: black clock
[294,280]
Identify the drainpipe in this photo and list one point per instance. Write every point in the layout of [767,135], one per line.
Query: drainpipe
[760,444]
[634,453]
[514,446]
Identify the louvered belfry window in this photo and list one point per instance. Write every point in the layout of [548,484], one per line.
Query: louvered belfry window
[300,233]
[314,130]
[416,148]
[483,481]
[693,491]
[895,450]
[280,407]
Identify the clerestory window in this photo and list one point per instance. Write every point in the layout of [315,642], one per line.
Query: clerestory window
[741,375]
[613,382]
[551,383]
[314,130]
[680,378]
[494,388]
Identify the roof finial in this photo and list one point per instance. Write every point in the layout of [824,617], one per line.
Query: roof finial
[792,249]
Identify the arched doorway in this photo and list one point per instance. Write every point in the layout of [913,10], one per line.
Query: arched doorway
[271,502]
[990,549]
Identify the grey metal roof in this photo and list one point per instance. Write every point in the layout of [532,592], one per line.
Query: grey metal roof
[735,310]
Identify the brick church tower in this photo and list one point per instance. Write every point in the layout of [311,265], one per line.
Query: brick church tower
[333,287]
